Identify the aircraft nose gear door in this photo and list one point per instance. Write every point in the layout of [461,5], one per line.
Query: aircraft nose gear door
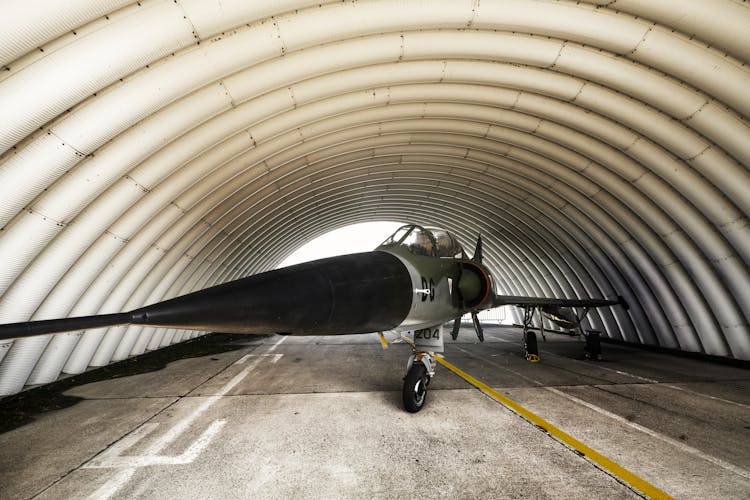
[421,367]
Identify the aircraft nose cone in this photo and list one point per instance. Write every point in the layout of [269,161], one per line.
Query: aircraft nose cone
[355,293]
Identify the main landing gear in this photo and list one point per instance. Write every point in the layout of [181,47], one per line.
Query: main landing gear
[419,372]
[530,348]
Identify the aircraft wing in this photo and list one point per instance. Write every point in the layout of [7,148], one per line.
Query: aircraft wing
[521,301]
[557,310]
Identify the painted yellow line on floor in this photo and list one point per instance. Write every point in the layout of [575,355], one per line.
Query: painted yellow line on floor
[605,463]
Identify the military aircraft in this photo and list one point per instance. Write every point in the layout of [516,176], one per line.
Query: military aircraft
[415,281]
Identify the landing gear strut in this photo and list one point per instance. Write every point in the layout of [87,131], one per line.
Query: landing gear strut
[531,351]
[593,346]
[419,372]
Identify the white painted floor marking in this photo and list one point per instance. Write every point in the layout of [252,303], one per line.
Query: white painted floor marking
[129,464]
[126,442]
[735,403]
[619,372]
[242,359]
[689,449]
[649,380]
[188,456]
[276,357]
[535,382]
[278,342]
[663,384]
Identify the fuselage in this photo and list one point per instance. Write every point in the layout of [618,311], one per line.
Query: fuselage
[391,288]
[416,279]
[437,292]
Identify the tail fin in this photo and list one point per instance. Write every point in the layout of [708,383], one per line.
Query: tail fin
[478,251]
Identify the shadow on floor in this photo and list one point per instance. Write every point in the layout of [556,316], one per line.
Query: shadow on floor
[22,408]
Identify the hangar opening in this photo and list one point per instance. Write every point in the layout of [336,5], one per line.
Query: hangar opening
[153,149]
[353,238]
[602,148]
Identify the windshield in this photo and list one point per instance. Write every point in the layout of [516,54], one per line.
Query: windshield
[446,244]
[419,242]
[432,242]
[397,236]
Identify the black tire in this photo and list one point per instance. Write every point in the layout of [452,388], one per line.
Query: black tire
[530,344]
[415,388]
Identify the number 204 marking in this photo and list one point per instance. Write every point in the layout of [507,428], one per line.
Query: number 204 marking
[427,334]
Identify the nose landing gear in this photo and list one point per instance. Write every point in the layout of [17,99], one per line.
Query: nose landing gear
[419,372]
[421,366]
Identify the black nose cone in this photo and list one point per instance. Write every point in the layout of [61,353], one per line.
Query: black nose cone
[355,293]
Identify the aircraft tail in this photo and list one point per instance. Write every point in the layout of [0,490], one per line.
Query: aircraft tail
[478,250]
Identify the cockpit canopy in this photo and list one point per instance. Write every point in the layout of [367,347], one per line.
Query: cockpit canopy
[427,241]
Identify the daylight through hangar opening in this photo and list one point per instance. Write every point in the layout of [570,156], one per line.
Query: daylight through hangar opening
[154,148]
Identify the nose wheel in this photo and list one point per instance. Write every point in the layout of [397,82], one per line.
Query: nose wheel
[415,388]
[419,372]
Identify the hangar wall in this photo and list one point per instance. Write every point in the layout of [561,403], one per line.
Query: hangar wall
[153,148]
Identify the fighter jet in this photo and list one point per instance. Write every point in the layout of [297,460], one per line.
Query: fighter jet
[416,281]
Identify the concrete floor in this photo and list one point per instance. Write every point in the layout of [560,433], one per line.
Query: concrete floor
[284,417]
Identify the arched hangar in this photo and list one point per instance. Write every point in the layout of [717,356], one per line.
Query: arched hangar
[158,147]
